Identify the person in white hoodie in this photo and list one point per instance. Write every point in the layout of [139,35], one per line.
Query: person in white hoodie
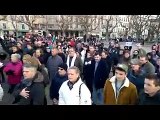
[1,92]
[74,91]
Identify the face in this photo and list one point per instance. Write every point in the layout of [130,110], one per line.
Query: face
[60,50]
[71,52]
[91,48]
[19,45]
[126,55]
[135,67]
[97,58]
[13,58]
[29,46]
[72,75]
[104,55]
[48,50]
[112,43]
[28,72]
[120,75]
[61,71]
[54,52]
[117,45]
[38,53]
[14,49]
[143,60]
[149,87]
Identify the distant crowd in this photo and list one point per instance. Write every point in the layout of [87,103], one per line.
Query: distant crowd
[78,72]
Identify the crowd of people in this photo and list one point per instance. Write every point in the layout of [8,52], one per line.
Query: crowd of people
[78,72]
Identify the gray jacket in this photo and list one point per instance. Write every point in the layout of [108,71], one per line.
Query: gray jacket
[52,65]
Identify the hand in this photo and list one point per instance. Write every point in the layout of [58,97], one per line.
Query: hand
[25,93]
[55,101]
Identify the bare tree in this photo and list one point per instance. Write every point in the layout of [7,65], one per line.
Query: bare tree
[156,26]
[139,23]
[64,22]
[88,23]
[29,20]
[127,28]
[109,23]
[14,21]
[3,17]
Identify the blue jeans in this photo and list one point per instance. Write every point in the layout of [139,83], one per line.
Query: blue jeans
[97,96]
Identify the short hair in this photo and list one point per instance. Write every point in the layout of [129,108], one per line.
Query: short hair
[154,78]
[28,65]
[105,52]
[144,56]
[55,48]
[75,68]
[41,51]
[16,55]
[72,48]
[98,53]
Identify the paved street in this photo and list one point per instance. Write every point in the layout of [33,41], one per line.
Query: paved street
[7,99]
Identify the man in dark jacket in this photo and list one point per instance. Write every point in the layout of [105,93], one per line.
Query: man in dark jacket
[57,81]
[31,91]
[100,73]
[151,93]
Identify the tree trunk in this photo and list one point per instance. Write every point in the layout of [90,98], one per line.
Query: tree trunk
[138,34]
[107,36]
[16,33]
[63,33]
[157,37]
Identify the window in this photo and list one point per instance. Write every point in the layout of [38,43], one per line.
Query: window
[23,26]
[4,26]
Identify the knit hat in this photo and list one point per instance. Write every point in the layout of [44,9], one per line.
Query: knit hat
[64,66]
[123,67]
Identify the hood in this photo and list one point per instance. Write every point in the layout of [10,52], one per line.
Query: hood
[38,77]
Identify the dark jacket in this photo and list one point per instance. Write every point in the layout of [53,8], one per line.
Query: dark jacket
[108,62]
[101,74]
[56,84]
[145,99]
[136,79]
[87,73]
[36,88]
[62,55]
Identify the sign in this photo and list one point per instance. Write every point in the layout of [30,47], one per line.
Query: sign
[128,44]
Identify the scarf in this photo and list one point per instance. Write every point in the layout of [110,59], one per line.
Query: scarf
[72,62]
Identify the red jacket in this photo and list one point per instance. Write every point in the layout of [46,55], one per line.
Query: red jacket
[17,68]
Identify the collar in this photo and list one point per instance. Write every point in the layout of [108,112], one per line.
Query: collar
[126,83]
